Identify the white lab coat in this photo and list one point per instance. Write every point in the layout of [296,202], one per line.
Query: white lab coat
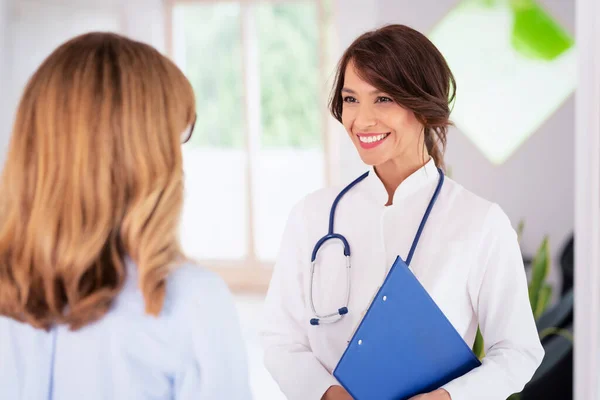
[468,259]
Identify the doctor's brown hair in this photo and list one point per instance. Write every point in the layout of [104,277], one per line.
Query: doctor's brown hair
[404,64]
[93,176]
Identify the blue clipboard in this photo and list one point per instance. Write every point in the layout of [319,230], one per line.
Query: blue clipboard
[404,345]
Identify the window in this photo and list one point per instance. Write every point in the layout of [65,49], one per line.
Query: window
[257,70]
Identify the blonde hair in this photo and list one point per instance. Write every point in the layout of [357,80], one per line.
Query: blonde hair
[93,175]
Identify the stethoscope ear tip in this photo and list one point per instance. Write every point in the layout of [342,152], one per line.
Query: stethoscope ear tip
[314,321]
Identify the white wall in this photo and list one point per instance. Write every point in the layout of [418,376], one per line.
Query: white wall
[4,10]
[587,201]
[536,182]
[144,20]
[34,28]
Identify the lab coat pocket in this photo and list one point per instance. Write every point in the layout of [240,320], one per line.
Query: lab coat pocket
[330,280]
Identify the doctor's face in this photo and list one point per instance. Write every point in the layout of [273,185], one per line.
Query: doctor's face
[381,129]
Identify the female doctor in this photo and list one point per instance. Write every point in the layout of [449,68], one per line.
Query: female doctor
[392,94]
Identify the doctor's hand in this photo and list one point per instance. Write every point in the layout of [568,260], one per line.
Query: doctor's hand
[336,393]
[439,394]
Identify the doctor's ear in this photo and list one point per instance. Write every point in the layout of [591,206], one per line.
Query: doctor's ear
[421,118]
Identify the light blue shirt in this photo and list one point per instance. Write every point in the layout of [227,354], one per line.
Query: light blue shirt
[194,350]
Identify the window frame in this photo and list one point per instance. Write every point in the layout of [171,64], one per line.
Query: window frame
[251,275]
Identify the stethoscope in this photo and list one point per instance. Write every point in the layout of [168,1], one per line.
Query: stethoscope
[339,314]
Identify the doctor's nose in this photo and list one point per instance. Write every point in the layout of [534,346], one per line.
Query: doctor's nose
[365,118]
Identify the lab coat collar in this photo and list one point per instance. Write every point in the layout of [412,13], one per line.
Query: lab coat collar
[420,178]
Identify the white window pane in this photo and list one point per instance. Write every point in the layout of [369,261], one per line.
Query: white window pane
[207,47]
[214,218]
[283,177]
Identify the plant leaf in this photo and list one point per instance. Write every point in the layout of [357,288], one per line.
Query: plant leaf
[559,332]
[478,347]
[540,268]
[543,300]
[520,229]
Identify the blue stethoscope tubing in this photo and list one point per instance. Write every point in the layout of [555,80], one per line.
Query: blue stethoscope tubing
[336,316]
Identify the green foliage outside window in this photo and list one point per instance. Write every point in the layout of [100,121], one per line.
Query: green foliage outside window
[287,44]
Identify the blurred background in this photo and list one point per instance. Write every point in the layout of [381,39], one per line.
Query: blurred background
[262,71]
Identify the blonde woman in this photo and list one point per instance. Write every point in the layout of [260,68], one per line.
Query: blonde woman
[96,299]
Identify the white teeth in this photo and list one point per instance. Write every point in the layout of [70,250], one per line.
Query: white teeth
[371,139]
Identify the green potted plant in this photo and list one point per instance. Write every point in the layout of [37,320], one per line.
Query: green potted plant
[540,293]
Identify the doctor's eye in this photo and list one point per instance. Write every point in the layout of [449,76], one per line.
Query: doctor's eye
[349,99]
[383,99]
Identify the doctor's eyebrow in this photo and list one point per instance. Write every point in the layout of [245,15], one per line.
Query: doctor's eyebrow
[372,92]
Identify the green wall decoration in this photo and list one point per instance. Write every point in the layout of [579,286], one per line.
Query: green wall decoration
[535,33]
[514,64]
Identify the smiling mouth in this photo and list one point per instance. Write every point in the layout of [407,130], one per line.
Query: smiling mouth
[368,141]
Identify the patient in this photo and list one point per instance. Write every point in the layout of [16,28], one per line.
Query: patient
[97,300]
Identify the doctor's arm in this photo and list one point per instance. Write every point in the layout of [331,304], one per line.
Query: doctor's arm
[498,290]
[288,356]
